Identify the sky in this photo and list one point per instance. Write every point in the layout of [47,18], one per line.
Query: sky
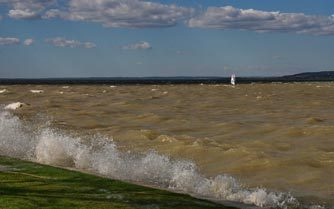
[140,38]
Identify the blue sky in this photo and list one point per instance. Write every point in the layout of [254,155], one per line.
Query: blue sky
[95,38]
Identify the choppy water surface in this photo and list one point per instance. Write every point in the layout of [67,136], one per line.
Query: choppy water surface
[274,136]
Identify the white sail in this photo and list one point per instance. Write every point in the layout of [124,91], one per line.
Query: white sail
[233,79]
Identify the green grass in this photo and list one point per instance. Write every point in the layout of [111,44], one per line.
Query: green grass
[30,185]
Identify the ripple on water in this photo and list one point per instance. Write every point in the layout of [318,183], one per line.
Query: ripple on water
[271,141]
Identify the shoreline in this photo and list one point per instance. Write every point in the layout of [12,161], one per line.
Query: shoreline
[70,188]
[158,80]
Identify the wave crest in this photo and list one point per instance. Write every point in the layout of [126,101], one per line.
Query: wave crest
[101,156]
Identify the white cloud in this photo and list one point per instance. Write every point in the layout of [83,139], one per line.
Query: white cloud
[53,13]
[262,21]
[9,41]
[181,52]
[62,42]
[276,57]
[22,14]
[88,45]
[28,42]
[27,9]
[139,45]
[122,13]
[146,14]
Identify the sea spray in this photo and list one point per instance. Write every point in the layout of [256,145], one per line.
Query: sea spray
[15,139]
[101,155]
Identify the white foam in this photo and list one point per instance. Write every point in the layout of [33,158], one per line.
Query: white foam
[3,91]
[36,91]
[15,140]
[14,106]
[113,86]
[101,155]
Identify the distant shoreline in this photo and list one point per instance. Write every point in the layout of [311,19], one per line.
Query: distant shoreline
[153,81]
[324,76]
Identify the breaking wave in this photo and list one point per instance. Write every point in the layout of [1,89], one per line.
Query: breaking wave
[100,155]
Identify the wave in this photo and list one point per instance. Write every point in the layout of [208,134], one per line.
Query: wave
[100,155]
[3,91]
[36,91]
[14,106]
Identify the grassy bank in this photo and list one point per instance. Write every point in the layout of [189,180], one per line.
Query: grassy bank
[30,185]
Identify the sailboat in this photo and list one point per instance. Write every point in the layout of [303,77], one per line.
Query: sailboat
[233,79]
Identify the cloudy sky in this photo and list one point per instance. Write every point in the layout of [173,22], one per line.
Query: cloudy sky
[85,38]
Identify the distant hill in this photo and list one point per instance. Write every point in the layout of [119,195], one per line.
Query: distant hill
[323,75]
